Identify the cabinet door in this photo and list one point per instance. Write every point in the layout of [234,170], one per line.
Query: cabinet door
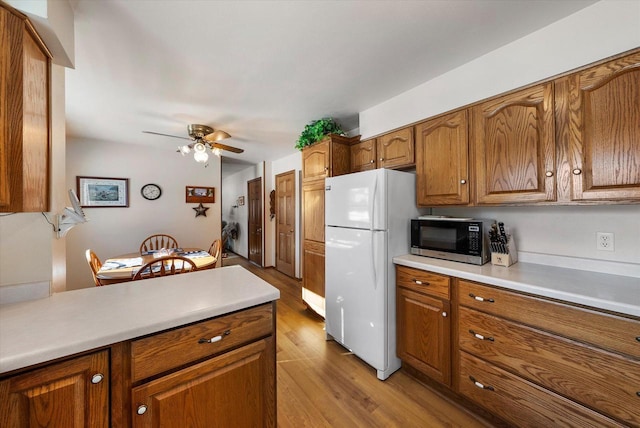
[235,389]
[316,160]
[396,149]
[61,395]
[363,156]
[604,131]
[313,211]
[514,144]
[423,334]
[313,277]
[442,161]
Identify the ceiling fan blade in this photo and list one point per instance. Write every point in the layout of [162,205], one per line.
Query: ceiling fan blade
[227,148]
[167,135]
[216,136]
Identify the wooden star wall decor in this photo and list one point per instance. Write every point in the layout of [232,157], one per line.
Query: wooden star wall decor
[201,210]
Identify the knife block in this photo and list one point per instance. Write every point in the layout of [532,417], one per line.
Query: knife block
[508,258]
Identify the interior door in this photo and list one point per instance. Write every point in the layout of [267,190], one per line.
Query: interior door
[255,220]
[285,222]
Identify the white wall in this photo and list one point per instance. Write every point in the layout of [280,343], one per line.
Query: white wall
[601,30]
[233,187]
[114,231]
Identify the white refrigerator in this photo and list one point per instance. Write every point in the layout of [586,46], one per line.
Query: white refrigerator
[367,223]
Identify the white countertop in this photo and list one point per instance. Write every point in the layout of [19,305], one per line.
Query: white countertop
[75,321]
[610,292]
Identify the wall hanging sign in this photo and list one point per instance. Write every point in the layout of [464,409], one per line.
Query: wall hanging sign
[200,194]
[240,201]
[103,192]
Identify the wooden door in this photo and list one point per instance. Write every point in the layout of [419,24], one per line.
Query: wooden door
[316,160]
[603,130]
[70,394]
[396,149]
[442,160]
[286,222]
[235,389]
[513,139]
[313,211]
[255,220]
[423,332]
[363,156]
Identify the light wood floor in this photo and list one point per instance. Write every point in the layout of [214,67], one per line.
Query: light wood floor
[321,384]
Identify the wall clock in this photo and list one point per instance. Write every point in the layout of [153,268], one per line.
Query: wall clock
[151,191]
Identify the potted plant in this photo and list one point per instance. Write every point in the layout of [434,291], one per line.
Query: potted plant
[317,130]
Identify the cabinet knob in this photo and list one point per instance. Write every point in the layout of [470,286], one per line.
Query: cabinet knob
[97,378]
[577,171]
[372,161]
[142,409]
[463,181]
[381,159]
[444,314]
[549,173]
[326,168]
[638,338]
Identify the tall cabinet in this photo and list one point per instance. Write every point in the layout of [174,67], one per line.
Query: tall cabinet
[327,158]
[24,115]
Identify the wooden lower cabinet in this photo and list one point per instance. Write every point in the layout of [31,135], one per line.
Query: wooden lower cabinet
[313,266]
[69,394]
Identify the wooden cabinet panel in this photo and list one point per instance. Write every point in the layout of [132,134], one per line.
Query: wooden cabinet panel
[363,156]
[442,160]
[423,334]
[602,130]
[236,389]
[520,402]
[396,149]
[315,160]
[313,267]
[428,283]
[513,138]
[165,351]
[24,116]
[607,331]
[61,395]
[313,211]
[601,380]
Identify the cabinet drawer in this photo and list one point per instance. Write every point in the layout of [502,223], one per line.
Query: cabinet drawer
[604,330]
[174,348]
[522,403]
[424,282]
[599,379]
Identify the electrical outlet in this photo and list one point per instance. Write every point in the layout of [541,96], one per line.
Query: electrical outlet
[605,241]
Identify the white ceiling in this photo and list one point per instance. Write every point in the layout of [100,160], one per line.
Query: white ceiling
[262,70]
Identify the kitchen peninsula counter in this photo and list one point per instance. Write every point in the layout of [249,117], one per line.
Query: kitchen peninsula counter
[615,293]
[76,321]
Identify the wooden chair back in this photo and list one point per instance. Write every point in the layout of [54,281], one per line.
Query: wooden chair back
[156,242]
[163,266]
[215,249]
[95,264]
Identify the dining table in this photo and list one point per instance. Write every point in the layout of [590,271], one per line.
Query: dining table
[123,267]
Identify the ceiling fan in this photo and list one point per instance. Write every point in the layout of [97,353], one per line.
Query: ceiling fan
[204,137]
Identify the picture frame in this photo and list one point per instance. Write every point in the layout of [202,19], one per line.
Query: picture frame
[240,200]
[103,192]
[200,194]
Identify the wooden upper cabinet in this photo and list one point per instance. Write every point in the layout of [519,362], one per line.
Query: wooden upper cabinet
[363,156]
[601,130]
[396,149]
[327,158]
[513,139]
[442,160]
[24,115]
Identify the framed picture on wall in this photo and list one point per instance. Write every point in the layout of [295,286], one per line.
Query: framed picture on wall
[103,192]
[200,194]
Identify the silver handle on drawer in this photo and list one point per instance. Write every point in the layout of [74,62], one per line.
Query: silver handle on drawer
[142,409]
[97,378]
[479,385]
[481,299]
[417,281]
[215,338]
[481,337]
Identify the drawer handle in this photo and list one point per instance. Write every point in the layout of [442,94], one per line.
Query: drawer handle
[481,386]
[481,337]
[481,299]
[638,338]
[216,338]
[417,281]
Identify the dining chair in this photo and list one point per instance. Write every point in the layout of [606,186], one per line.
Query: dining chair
[95,264]
[156,242]
[163,266]
[214,250]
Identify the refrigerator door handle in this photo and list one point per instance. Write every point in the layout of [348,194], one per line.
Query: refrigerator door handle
[372,203]
[373,263]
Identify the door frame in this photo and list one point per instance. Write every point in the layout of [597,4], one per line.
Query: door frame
[261,212]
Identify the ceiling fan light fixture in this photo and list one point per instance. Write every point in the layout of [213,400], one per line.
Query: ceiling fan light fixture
[201,157]
[216,151]
[199,148]
[184,149]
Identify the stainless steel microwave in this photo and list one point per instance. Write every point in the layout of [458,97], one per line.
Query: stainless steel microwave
[458,239]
